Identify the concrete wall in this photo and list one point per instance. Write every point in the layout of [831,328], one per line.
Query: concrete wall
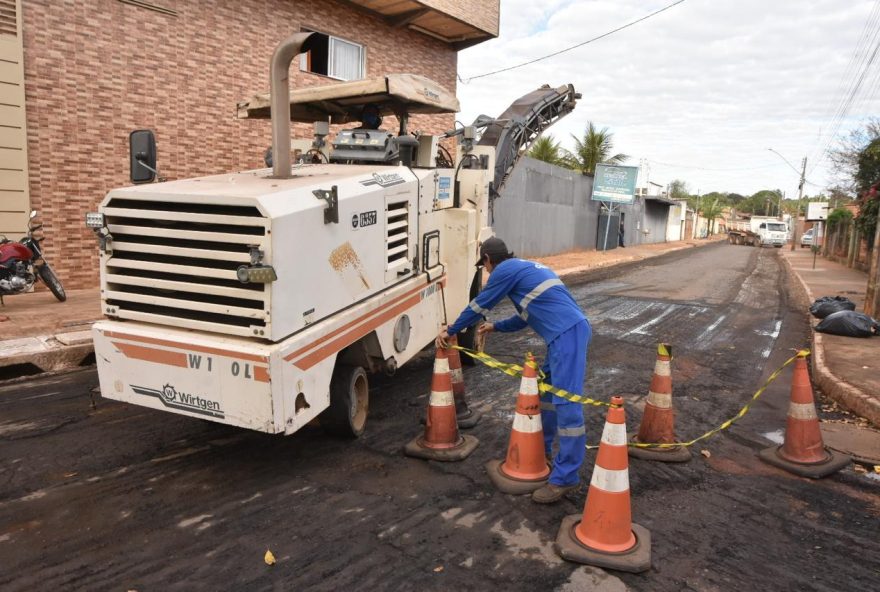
[546,209]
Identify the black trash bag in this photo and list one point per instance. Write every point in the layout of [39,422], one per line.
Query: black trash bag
[849,324]
[824,306]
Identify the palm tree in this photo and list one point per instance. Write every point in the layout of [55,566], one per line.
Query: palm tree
[595,147]
[711,211]
[547,149]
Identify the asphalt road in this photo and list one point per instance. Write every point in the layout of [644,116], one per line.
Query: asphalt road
[117,497]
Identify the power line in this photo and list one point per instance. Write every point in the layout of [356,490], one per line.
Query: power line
[857,70]
[561,51]
[687,166]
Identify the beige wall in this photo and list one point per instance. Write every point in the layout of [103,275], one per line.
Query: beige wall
[97,69]
[14,198]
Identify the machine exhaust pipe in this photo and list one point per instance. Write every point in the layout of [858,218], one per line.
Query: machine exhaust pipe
[279,88]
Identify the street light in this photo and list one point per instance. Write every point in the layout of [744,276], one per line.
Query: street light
[802,173]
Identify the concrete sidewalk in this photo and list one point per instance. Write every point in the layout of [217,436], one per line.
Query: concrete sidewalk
[38,333]
[845,368]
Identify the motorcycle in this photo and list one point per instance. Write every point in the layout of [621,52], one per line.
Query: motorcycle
[22,262]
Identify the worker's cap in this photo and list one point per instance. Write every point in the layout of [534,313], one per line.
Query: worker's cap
[493,247]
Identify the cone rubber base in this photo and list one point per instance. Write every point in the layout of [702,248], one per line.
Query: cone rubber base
[832,464]
[677,454]
[469,420]
[464,448]
[635,560]
[507,484]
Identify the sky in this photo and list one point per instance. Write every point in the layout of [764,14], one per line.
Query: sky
[700,91]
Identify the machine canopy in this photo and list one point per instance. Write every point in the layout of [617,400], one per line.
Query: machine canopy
[393,94]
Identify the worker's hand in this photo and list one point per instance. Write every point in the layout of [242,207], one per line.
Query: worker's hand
[485,328]
[442,340]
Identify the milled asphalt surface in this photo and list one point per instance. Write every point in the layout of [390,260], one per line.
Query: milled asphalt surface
[121,497]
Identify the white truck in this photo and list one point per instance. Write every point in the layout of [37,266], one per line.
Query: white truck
[757,231]
[264,299]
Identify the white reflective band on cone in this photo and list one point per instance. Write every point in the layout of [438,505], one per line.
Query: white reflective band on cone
[802,411]
[457,374]
[614,434]
[610,481]
[529,386]
[661,368]
[442,398]
[527,424]
[441,365]
[662,400]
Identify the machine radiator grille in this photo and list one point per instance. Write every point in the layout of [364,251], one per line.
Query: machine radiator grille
[397,233]
[175,262]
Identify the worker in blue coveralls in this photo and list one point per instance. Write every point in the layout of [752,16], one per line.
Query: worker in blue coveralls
[543,303]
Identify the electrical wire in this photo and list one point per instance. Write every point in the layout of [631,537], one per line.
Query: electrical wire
[860,63]
[581,44]
[687,166]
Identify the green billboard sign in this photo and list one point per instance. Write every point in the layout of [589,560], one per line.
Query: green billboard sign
[614,183]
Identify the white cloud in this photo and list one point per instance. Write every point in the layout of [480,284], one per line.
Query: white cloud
[708,84]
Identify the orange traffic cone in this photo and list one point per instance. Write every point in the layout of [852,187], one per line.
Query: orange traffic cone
[525,468]
[441,440]
[803,452]
[466,417]
[606,536]
[658,421]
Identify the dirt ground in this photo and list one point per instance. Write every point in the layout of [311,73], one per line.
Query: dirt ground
[117,497]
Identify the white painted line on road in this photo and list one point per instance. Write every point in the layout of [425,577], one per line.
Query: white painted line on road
[710,328]
[641,328]
[772,335]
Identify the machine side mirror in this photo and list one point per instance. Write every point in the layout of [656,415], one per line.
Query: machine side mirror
[142,156]
[33,214]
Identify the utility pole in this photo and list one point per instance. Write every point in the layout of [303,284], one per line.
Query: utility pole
[797,213]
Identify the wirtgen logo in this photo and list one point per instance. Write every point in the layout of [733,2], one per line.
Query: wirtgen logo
[173,399]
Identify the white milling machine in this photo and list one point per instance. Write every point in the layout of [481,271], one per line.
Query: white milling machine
[263,299]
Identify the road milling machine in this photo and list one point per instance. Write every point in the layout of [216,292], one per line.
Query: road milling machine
[264,299]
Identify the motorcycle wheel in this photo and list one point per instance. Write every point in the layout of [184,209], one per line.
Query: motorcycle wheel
[52,282]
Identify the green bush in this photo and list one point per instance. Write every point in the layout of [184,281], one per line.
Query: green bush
[839,216]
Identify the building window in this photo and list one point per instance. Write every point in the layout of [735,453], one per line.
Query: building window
[334,57]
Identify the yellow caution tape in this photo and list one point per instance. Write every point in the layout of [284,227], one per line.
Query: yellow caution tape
[516,370]
[801,354]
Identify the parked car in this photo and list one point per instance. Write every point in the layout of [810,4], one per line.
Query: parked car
[807,238]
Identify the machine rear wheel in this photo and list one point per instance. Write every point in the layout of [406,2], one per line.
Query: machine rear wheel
[349,402]
[52,282]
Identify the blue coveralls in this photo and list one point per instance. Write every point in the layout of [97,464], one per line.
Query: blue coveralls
[544,303]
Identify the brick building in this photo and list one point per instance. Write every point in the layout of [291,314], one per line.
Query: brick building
[76,76]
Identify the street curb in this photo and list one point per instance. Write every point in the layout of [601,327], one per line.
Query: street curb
[851,397]
[585,269]
[49,353]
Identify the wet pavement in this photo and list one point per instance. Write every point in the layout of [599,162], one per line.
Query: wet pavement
[121,497]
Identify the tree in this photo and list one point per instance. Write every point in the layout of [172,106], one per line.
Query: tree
[711,210]
[867,176]
[868,172]
[547,149]
[734,199]
[678,189]
[593,148]
[845,156]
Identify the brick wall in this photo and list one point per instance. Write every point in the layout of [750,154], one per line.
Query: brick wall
[97,69]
